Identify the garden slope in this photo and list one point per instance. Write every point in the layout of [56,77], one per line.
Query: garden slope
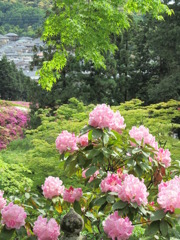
[37,151]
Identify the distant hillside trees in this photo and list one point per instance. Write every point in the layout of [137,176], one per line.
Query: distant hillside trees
[14,85]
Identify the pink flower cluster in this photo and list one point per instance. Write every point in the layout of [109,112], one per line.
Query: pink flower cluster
[12,122]
[2,200]
[110,183]
[117,228]
[72,194]
[92,177]
[103,117]
[83,140]
[142,133]
[13,216]
[163,156]
[45,230]
[52,187]
[66,142]
[133,190]
[169,194]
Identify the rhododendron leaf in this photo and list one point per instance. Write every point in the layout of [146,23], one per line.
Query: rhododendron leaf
[119,205]
[138,170]
[159,214]
[136,150]
[134,204]
[77,207]
[97,133]
[105,138]
[68,160]
[141,208]
[7,234]
[86,129]
[110,199]
[100,201]
[91,171]
[164,228]
[92,153]
[152,228]
[131,163]
[90,215]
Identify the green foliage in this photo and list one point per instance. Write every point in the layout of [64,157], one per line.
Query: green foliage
[21,18]
[14,85]
[85,28]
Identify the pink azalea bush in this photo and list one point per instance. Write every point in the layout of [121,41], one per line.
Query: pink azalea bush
[103,117]
[2,200]
[117,228]
[133,190]
[142,133]
[52,187]
[110,183]
[12,122]
[169,194]
[72,194]
[13,216]
[163,156]
[46,230]
[66,142]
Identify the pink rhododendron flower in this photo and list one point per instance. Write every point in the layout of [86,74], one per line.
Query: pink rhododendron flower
[83,140]
[118,122]
[133,190]
[13,216]
[142,133]
[103,117]
[110,183]
[2,200]
[163,156]
[45,230]
[92,177]
[169,194]
[117,228]
[72,194]
[66,142]
[52,187]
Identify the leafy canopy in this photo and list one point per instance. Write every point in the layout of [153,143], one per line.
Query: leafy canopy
[85,28]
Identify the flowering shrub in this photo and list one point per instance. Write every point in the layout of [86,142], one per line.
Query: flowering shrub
[117,227]
[12,122]
[13,216]
[2,200]
[46,230]
[52,187]
[123,172]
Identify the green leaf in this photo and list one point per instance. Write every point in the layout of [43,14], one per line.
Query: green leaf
[141,208]
[86,129]
[138,170]
[68,161]
[119,205]
[105,138]
[152,228]
[164,228]
[77,207]
[97,133]
[6,234]
[110,199]
[91,171]
[27,195]
[136,150]
[100,201]
[90,215]
[159,214]
[92,153]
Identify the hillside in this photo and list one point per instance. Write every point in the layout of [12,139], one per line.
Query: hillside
[37,150]
[22,17]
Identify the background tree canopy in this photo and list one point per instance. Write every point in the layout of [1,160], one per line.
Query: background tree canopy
[85,28]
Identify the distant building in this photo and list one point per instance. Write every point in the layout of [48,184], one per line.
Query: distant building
[3,40]
[12,36]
